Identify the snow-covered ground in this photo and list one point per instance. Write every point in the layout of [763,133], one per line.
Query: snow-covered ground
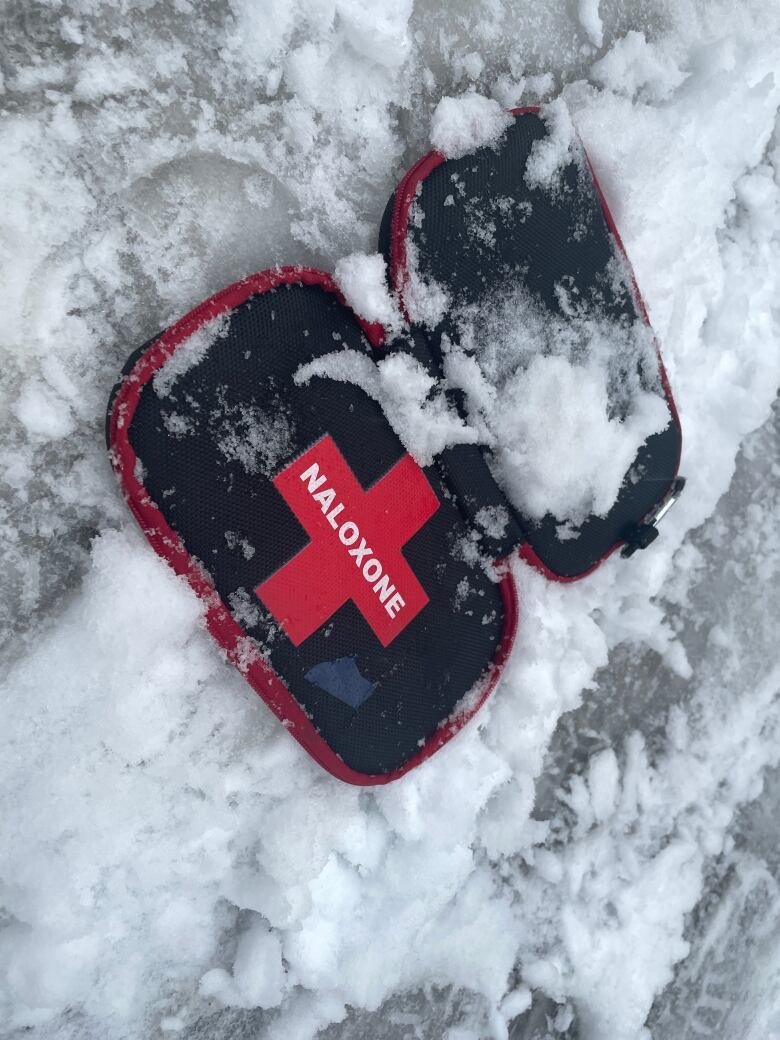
[597,853]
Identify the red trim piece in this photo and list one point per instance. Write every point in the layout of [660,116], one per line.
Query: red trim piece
[240,650]
[526,553]
[405,195]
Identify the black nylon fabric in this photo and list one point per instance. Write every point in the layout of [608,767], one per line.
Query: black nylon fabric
[241,529]
[562,239]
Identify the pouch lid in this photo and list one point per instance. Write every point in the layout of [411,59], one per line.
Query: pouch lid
[484,234]
[339,576]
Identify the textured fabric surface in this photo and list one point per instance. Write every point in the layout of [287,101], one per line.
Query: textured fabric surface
[239,526]
[560,238]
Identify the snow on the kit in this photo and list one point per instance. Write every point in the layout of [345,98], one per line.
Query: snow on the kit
[190,352]
[555,150]
[165,847]
[463,124]
[546,409]
[413,400]
[251,436]
[363,281]
[535,387]
[246,434]
[425,300]
[539,384]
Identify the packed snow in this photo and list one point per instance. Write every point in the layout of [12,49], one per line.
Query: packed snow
[564,403]
[460,125]
[171,861]
[551,415]
[552,152]
[414,402]
[363,281]
[560,403]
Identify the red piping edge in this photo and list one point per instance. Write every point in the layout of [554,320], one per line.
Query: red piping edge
[399,275]
[239,648]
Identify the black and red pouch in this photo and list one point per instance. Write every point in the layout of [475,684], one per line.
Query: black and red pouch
[336,572]
[480,230]
[364,597]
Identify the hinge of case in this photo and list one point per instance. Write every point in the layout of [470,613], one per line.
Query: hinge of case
[639,536]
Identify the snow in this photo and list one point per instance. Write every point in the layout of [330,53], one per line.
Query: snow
[462,124]
[537,386]
[243,433]
[188,353]
[555,150]
[531,418]
[248,435]
[414,401]
[170,859]
[425,300]
[590,20]
[363,281]
[634,65]
[257,977]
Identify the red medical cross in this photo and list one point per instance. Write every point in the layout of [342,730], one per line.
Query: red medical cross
[304,593]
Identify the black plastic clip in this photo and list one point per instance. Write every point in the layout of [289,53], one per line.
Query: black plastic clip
[639,536]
